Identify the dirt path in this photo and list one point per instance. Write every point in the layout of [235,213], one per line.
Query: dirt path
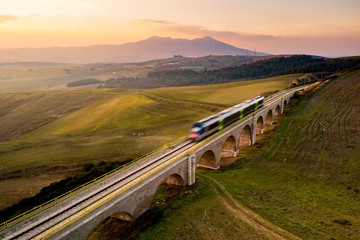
[246,215]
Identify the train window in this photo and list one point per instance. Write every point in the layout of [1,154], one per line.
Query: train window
[246,110]
[214,125]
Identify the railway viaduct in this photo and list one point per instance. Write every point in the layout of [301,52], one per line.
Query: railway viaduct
[132,195]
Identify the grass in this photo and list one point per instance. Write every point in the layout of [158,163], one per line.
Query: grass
[22,78]
[226,94]
[26,111]
[121,126]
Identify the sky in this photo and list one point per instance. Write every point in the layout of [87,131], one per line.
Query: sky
[318,27]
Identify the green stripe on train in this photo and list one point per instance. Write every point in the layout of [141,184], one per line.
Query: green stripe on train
[221,124]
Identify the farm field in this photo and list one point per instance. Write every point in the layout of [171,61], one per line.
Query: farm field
[303,176]
[48,129]
[18,77]
[226,94]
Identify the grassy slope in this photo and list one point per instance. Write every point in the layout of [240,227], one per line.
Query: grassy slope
[26,111]
[92,125]
[124,125]
[228,94]
[306,181]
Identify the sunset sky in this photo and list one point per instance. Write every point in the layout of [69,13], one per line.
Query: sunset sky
[320,27]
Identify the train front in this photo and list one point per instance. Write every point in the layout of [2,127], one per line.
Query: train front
[195,131]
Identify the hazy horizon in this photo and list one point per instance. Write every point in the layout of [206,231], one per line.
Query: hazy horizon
[325,28]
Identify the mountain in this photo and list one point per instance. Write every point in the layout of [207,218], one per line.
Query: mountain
[148,49]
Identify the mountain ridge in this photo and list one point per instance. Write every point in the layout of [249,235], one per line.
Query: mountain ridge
[151,48]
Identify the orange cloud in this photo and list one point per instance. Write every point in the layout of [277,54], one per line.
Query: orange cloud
[152,21]
[200,31]
[4,18]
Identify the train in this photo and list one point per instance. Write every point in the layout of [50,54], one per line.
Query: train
[207,126]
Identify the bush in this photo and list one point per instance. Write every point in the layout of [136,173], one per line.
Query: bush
[84,82]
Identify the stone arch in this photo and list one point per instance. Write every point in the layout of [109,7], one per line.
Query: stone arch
[174,179]
[207,160]
[269,118]
[229,148]
[171,186]
[125,216]
[245,137]
[277,110]
[259,129]
[122,221]
[285,102]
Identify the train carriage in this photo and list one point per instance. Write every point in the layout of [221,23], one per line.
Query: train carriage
[216,122]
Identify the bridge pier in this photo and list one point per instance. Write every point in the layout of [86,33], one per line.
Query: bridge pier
[191,170]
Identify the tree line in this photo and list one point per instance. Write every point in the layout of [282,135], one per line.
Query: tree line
[260,69]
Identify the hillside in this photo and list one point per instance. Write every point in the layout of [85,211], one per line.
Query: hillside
[145,50]
[303,177]
[259,68]
[23,76]
[59,132]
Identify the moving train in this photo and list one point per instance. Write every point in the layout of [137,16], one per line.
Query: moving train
[218,121]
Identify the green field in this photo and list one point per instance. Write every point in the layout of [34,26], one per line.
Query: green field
[226,94]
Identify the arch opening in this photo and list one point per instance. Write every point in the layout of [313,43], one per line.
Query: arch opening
[170,187]
[277,111]
[259,126]
[228,152]
[245,137]
[113,226]
[269,118]
[208,160]
[125,216]
[174,179]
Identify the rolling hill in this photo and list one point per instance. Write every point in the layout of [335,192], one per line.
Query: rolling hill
[148,49]
[302,177]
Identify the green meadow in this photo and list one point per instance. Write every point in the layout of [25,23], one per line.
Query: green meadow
[228,93]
